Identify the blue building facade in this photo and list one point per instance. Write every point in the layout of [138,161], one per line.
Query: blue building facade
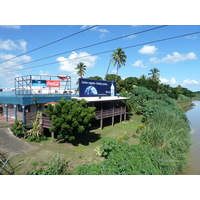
[17,106]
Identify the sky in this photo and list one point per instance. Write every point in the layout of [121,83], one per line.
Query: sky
[177,59]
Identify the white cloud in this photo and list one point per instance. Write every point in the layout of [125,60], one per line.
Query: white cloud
[191,37]
[171,81]
[190,82]
[130,37]
[148,50]
[43,73]
[8,68]
[22,45]
[97,29]
[24,58]
[139,63]
[69,64]
[7,45]
[11,45]
[10,26]
[175,58]
[114,71]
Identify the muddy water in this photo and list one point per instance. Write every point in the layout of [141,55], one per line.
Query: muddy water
[194,118]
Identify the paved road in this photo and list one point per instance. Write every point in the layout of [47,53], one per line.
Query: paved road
[11,145]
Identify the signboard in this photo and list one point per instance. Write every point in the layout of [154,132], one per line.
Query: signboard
[46,83]
[50,83]
[91,88]
[41,83]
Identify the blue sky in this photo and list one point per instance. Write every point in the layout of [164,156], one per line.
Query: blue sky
[177,59]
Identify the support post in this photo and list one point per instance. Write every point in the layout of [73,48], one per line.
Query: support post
[23,115]
[121,114]
[15,111]
[6,112]
[113,116]
[101,120]
[125,113]
[52,135]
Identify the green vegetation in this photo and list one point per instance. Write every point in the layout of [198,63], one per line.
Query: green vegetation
[18,128]
[81,68]
[78,154]
[118,58]
[164,142]
[56,166]
[197,96]
[70,119]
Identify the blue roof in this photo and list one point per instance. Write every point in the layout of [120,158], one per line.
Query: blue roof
[25,100]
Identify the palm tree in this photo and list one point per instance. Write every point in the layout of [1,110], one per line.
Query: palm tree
[118,58]
[81,68]
[154,74]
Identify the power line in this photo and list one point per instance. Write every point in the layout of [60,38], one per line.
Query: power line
[91,45]
[50,43]
[108,51]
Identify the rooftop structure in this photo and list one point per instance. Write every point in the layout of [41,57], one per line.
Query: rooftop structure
[20,102]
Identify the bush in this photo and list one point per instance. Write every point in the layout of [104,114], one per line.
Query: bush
[18,128]
[56,166]
[123,160]
[70,118]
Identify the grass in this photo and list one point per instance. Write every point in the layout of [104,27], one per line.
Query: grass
[79,154]
[2,124]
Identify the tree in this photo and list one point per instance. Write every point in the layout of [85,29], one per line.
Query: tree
[118,58]
[70,118]
[81,68]
[154,74]
[95,78]
[129,83]
[112,77]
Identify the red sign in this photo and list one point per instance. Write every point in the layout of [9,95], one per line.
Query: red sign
[52,83]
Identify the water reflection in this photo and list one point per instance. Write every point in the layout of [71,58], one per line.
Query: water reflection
[194,116]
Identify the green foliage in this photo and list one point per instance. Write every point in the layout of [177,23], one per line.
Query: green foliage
[183,98]
[109,144]
[56,166]
[18,128]
[70,118]
[129,83]
[34,138]
[164,142]
[81,68]
[112,77]
[154,74]
[95,78]
[123,160]
[35,134]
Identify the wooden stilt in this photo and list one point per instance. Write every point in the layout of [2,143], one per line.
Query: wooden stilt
[113,111]
[121,115]
[125,114]
[101,120]
[52,136]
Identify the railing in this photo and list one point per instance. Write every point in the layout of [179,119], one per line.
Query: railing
[30,117]
[110,112]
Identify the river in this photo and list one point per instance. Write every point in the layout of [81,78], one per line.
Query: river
[194,118]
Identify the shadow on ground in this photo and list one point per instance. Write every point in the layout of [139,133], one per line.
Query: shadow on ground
[86,139]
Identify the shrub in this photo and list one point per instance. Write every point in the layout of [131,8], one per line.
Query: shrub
[18,128]
[123,160]
[56,166]
[70,118]
[109,144]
